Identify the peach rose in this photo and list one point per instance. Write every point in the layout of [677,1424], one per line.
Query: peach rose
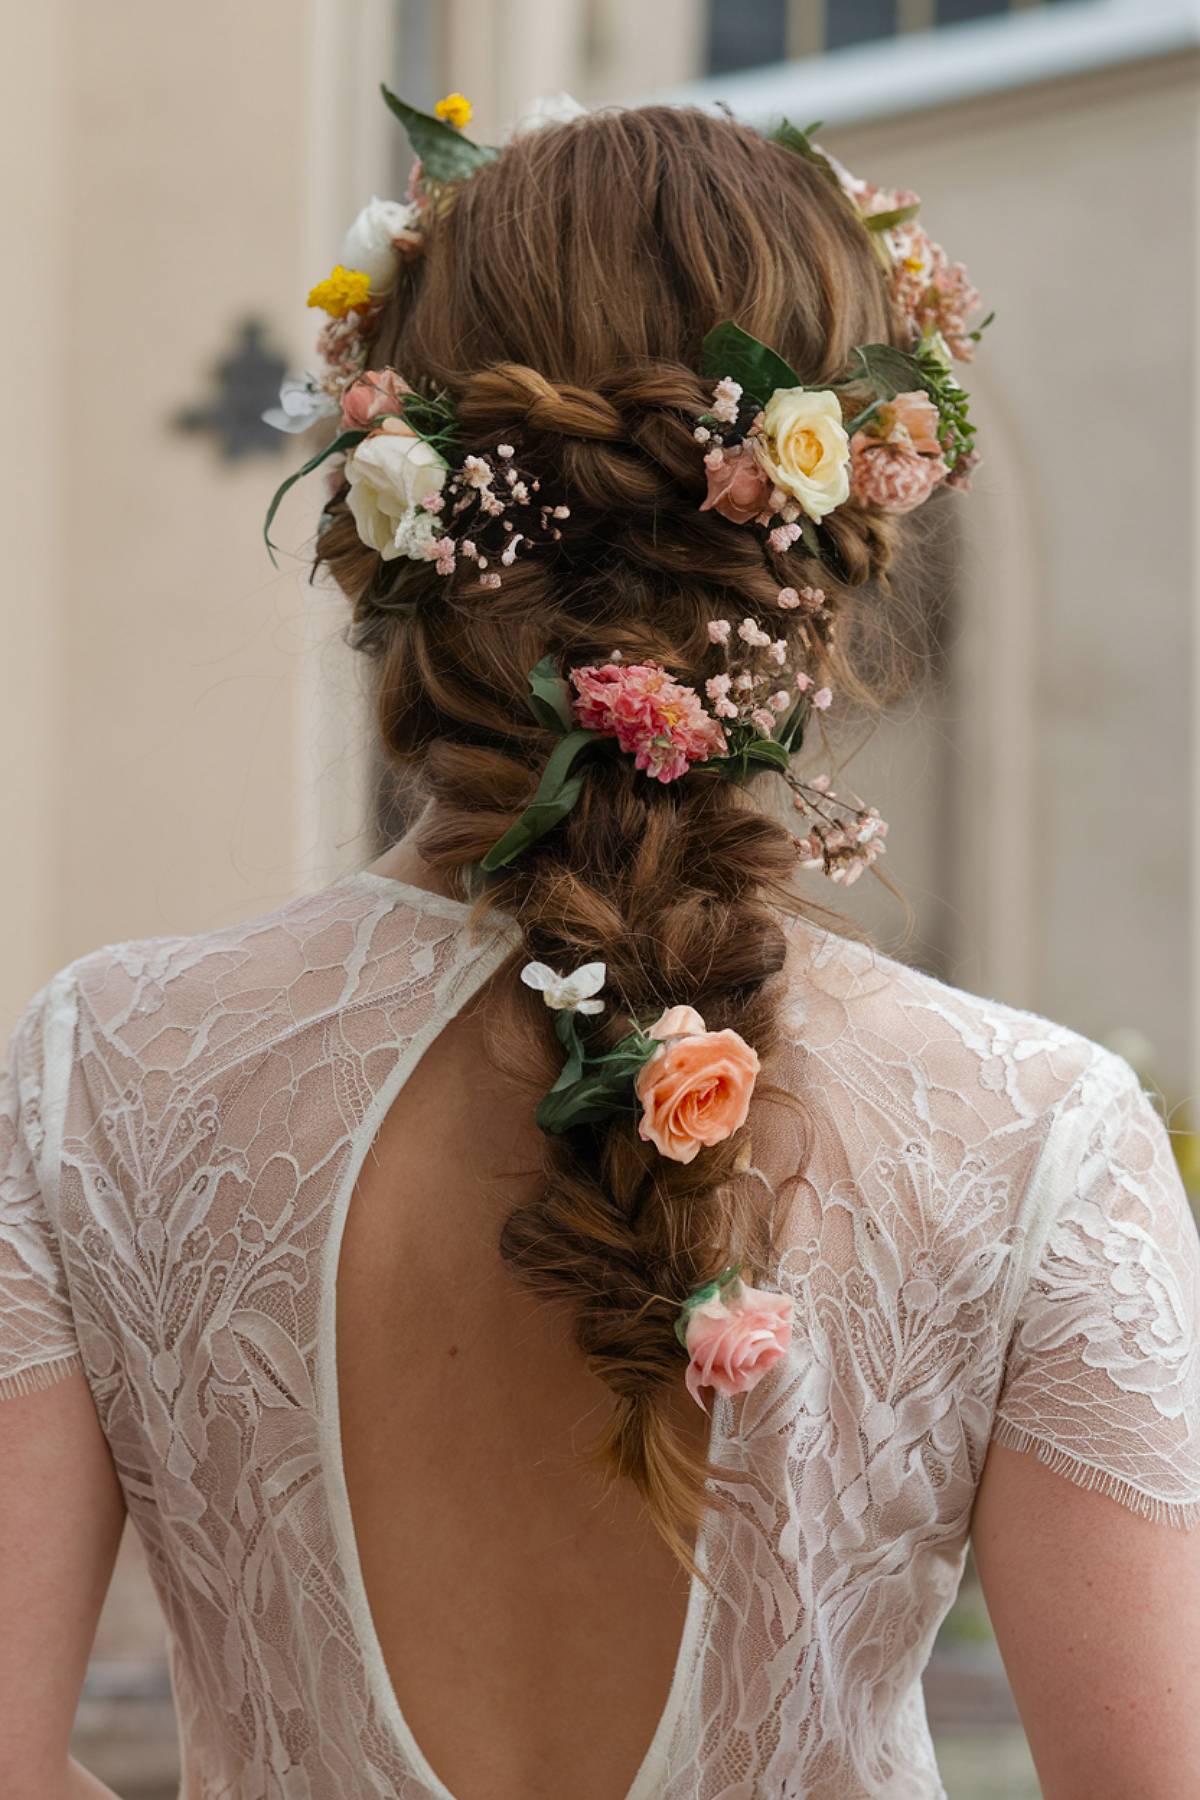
[738,486]
[696,1089]
[916,414]
[377,391]
[733,1343]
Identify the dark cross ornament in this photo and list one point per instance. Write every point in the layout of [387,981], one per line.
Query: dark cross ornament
[245,382]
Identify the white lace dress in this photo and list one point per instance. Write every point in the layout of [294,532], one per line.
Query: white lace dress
[987,1240]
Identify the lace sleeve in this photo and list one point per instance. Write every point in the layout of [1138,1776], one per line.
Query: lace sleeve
[37,1334]
[1102,1378]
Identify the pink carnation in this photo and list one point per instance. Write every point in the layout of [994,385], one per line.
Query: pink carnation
[661,723]
[732,1343]
[738,487]
[896,460]
[893,477]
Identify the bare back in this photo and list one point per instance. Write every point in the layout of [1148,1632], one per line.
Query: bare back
[529,1619]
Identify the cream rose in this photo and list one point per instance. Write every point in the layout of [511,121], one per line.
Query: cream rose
[804,448]
[370,243]
[390,474]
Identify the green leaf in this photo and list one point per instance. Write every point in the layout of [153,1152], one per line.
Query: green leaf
[791,732]
[567,1032]
[889,371]
[769,752]
[898,215]
[603,1089]
[809,538]
[550,697]
[346,441]
[759,370]
[446,155]
[793,138]
[557,792]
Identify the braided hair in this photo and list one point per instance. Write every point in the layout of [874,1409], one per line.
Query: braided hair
[561,303]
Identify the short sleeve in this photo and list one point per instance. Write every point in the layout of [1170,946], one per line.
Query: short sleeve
[1102,1377]
[38,1345]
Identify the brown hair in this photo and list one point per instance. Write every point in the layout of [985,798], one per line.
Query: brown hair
[561,303]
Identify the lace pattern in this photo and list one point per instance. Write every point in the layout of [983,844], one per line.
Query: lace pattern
[986,1240]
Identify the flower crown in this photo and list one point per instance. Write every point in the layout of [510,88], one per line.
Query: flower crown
[892,428]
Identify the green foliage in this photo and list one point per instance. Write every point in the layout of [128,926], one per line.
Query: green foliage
[759,370]
[446,155]
[557,792]
[345,441]
[799,140]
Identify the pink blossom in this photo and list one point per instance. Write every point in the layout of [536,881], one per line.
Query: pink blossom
[737,485]
[717,686]
[780,702]
[489,581]
[718,631]
[822,698]
[763,720]
[663,724]
[892,476]
[732,1343]
[783,537]
[789,599]
[803,681]
[918,416]
[753,634]
[376,391]
[726,395]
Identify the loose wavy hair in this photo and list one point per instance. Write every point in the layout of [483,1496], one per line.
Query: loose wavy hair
[561,303]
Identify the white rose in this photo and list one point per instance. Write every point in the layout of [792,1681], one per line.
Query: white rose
[370,242]
[390,474]
[804,448]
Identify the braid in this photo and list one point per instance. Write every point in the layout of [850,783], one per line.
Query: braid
[589,368]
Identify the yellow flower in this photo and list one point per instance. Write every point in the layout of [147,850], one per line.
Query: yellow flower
[343,291]
[455,109]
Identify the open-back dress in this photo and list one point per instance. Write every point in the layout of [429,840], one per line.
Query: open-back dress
[987,1240]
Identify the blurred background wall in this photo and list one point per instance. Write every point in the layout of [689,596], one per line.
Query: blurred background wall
[183,736]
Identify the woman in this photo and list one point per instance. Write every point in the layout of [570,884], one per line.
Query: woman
[375,1253]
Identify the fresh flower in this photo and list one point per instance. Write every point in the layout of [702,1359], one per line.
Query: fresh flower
[567,993]
[456,110]
[896,459]
[376,391]
[733,1334]
[548,109]
[738,485]
[301,403]
[804,448]
[695,1091]
[381,231]
[391,473]
[342,291]
[663,724]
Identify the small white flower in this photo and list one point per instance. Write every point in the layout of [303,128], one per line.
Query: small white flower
[548,109]
[301,404]
[567,993]
[370,243]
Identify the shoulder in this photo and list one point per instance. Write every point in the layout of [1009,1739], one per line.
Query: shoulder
[181,996]
[942,1062]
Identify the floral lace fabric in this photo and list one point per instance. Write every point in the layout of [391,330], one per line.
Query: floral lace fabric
[986,1239]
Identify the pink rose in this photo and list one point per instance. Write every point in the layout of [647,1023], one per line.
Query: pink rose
[696,1090]
[733,1343]
[376,391]
[738,486]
